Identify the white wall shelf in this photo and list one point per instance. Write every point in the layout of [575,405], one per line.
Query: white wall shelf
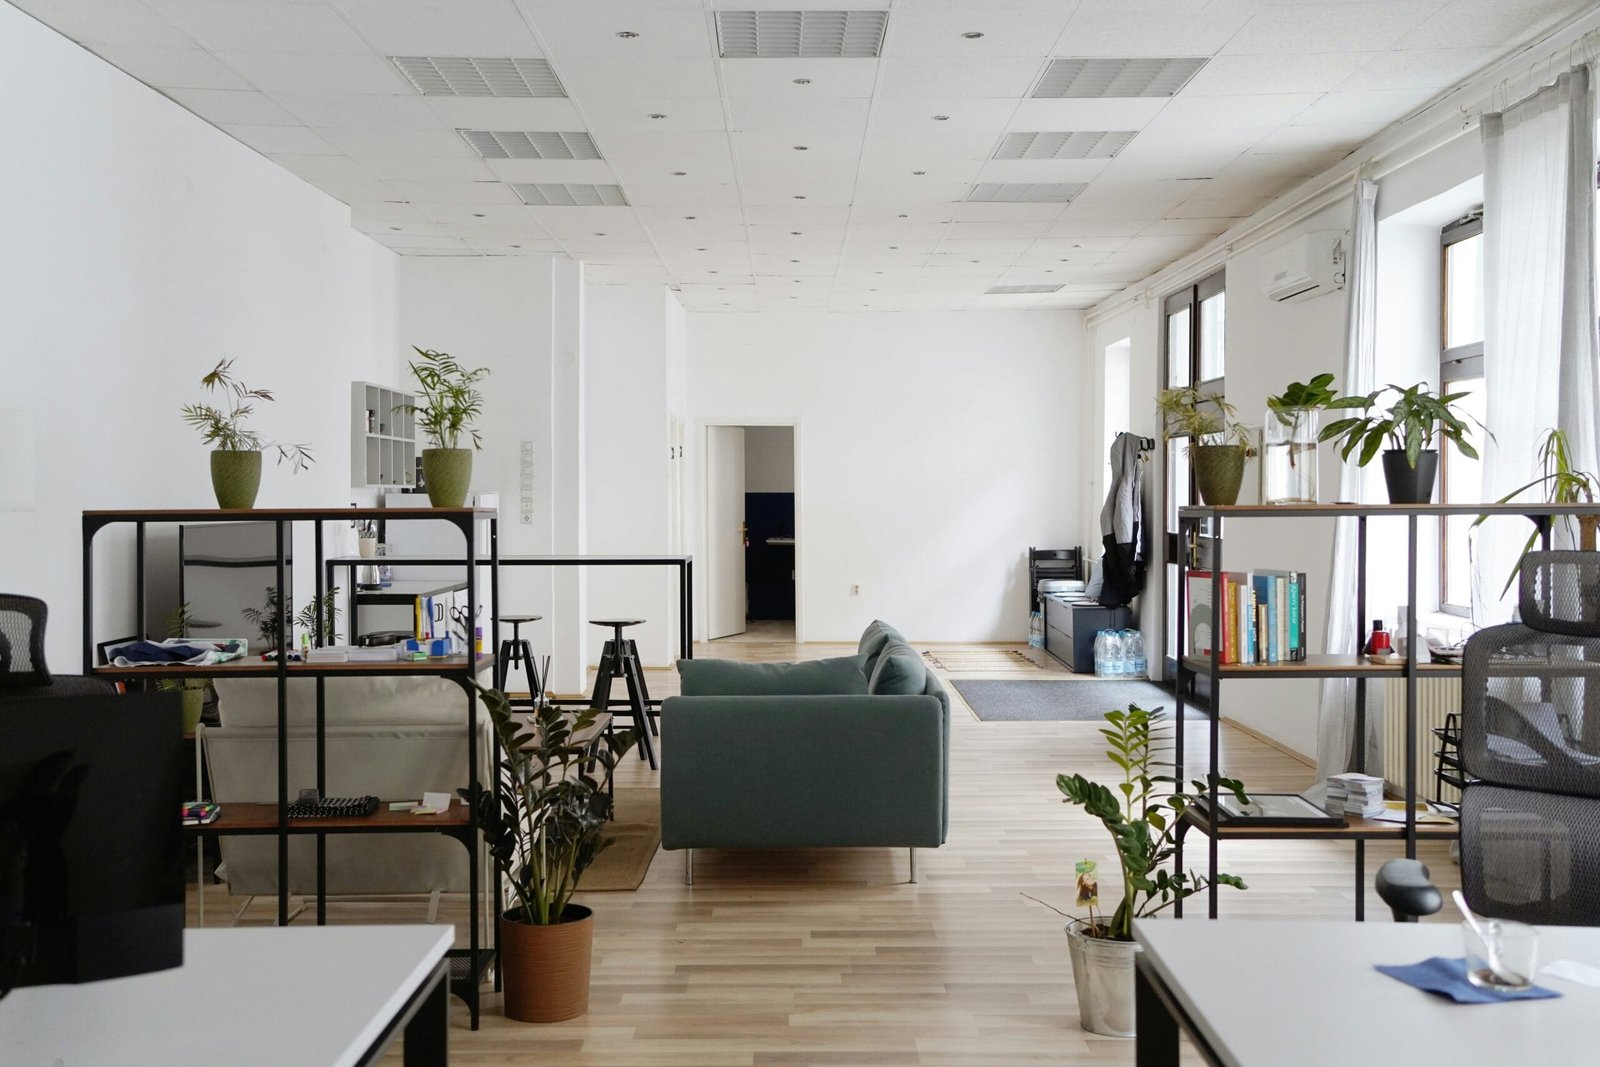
[386,455]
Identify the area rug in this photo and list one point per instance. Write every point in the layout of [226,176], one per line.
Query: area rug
[977,660]
[636,834]
[1085,700]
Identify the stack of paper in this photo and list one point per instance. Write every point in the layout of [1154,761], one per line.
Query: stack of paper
[333,654]
[1355,794]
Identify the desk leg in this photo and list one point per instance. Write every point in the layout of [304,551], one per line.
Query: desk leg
[686,609]
[427,1037]
[1157,1043]
[1361,881]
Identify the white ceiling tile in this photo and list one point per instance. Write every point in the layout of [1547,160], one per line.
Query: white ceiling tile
[644,77]
[682,148]
[442,27]
[233,107]
[353,189]
[379,217]
[933,31]
[564,222]
[584,246]
[172,68]
[1295,139]
[779,144]
[1489,23]
[692,199]
[314,167]
[626,115]
[1220,112]
[776,78]
[751,113]
[484,219]
[919,78]
[502,113]
[108,22]
[455,192]
[1126,30]
[1001,213]
[1233,76]
[1342,27]
[1060,115]
[590,29]
[1373,109]
[797,216]
[961,116]
[263,27]
[360,141]
[292,139]
[368,110]
[287,72]
[1432,69]
[903,151]
[463,168]
[1234,208]
[1193,227]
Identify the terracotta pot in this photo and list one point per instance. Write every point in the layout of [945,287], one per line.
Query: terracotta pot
[546,968]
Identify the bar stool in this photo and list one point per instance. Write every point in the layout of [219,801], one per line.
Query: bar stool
[515,651]
[620,659]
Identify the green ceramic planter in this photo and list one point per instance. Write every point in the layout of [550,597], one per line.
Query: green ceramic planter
[1218,472]
[448,472]
[194,704]
[236,478]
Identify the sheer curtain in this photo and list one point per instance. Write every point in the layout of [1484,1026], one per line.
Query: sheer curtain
[1539,314]
[1336,725]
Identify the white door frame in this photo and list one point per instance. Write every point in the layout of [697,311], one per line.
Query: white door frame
[702,589]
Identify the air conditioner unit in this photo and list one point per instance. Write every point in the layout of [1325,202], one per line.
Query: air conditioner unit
[1309,265]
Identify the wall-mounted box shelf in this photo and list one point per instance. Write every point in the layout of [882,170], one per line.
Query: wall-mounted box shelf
[384,455]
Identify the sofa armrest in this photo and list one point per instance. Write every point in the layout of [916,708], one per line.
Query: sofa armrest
[802,771]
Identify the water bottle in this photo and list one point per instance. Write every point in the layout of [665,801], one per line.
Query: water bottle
[1035,631]
[1141,666]
[1114,654]
[1101,668]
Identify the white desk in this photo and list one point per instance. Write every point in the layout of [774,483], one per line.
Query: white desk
[1265,994]
[311,996]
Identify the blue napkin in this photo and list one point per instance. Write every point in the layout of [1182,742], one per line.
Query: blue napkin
[1448,978]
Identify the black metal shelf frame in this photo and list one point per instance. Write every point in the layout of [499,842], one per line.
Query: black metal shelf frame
[1190,523]
[464,675]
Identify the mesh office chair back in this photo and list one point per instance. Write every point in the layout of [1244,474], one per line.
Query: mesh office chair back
[1530,824]
[22,642]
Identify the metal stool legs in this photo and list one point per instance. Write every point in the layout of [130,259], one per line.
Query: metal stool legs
[617,661]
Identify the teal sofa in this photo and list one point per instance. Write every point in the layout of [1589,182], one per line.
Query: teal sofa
[844,752]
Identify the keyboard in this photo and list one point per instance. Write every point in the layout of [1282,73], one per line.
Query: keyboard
[333,808]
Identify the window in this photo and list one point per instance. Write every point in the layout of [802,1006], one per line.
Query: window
[1460,370]
[1194,351]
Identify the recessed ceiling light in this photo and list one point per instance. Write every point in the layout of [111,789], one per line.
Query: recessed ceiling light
[941,118]
[626,35]
[597,233]
[679,173]
[972,35]
[802,81]
[516,246]
[711,272]
[477,214]
[1077,246]
[799,148]
[794,233]
[894,248]
[794,261]
[699,250]
[657,115]
[690,218]
[799,198]
[918,173]
[797,281]
[902,216]
[395,228]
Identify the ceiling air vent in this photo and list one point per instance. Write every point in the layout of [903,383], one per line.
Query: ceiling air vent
[1097,78]
[1013,290]
[552,195]
[479,77]
[800,34]
[1080,144]
[491,144]
[1026,192]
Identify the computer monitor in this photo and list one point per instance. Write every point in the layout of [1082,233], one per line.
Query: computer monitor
[91,848]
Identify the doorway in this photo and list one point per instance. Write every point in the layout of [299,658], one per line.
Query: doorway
[750,534]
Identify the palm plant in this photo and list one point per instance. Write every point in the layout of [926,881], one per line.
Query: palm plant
[223,427]
[1563,484]
[1200,415]
[1142,814]
[451,403]
[548,823]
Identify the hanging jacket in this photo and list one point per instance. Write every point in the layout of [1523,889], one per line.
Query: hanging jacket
[1122,567]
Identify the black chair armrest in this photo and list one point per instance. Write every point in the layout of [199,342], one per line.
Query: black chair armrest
[1404,885]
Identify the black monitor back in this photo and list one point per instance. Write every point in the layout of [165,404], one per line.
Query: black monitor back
[91,860]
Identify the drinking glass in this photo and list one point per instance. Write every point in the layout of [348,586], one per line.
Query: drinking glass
[1515,951]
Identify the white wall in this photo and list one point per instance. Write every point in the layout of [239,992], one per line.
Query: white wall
[769,459]
[933,449]
[141,246]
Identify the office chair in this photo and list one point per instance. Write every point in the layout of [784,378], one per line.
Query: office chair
[1530,740]
[23,673]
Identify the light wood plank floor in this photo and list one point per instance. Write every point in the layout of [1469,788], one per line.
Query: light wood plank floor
[829,957]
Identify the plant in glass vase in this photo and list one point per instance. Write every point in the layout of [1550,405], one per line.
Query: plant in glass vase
[1218,442]
[451,404]
[1142,813]
[1289,441]
[236,458]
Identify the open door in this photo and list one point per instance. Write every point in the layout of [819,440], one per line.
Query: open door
[725,612]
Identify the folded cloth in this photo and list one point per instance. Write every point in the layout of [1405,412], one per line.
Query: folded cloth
[1447,977]
[176,650]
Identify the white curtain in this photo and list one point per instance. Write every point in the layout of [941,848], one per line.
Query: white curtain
[1539,314]
[1336,725]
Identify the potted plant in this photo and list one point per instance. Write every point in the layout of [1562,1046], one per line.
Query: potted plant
[192,691]
[450,404]
[265,619]
[236,459]
[1218,443]
[1563,484]
[1409,425]
[1289,441]
[1142,813]
[545,828]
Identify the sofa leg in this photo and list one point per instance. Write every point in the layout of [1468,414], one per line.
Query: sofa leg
[913,853]
[688,866]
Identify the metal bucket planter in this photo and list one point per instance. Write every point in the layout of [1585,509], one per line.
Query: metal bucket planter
[1102,971]
[1218,472]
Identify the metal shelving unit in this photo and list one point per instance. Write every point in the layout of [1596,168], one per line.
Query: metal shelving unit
[469,965]
[1191,520]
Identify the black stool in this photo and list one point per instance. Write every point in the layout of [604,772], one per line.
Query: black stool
[514,651]
[621,660]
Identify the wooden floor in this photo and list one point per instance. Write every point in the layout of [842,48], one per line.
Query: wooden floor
[829,957]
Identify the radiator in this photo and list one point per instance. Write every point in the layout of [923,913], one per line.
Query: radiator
[1436,698]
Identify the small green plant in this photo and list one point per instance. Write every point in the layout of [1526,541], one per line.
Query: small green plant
[1314,395]
[1142,814]
[1409,424]
[223,427]
[179,622]
[1563,484]
[265,618]
[1200,415]
[549,821]
[451,404]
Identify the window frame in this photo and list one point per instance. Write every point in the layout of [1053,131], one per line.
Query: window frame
[1456,363]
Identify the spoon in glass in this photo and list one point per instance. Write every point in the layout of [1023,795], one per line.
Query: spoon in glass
[1491,941]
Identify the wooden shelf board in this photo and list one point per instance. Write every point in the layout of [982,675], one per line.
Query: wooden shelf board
[1318,665]
[1354,829]
[255,667]
[287,514]
[1203,511]
[253,818]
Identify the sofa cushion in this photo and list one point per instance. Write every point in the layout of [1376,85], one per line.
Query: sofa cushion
[819,677]
[877,634]
[898,672]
